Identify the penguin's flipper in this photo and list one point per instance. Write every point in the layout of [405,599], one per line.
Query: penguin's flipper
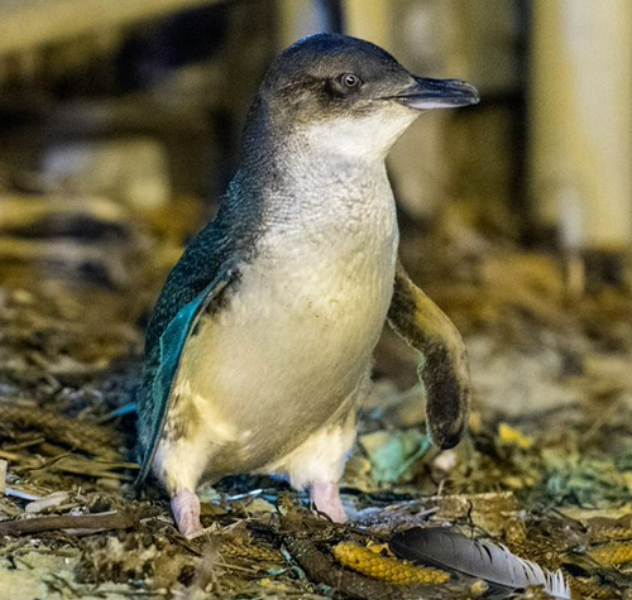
[443,368]
[163,361]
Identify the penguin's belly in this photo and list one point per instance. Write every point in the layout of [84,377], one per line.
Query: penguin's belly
[283,358]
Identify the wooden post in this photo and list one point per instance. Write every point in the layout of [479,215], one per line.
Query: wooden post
[581,108]
[298,18]
[369,20]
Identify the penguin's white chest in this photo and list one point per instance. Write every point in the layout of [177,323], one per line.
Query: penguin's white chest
[295,340]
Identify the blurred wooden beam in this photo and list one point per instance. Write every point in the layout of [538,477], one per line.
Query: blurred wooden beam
[369,20]
[26,24]
[299,18]
[296,19]
[581,99]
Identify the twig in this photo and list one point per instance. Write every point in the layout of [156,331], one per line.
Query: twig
[19,492]
[79,465]
[27,444]
[108,520]
[11,456]
[3,477]
[43,465]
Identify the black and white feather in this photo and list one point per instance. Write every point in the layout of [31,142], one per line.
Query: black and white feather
[482,559]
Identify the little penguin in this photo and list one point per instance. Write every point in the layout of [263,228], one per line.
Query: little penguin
[260,345]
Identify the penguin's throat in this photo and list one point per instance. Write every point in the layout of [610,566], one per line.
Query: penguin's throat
[364,139]
[337,203]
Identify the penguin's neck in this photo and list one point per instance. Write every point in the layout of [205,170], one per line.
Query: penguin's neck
[311,182]
[327,222]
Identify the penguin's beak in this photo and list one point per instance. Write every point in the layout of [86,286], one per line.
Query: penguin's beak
[428,93]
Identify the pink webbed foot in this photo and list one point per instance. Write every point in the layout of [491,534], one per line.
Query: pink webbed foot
[326,498]
[185,506]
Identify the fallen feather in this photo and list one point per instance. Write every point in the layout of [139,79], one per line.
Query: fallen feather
[481,559]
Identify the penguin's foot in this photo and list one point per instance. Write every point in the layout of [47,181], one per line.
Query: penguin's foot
[185,506]
[326,498]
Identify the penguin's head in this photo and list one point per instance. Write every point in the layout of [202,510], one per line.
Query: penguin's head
[350,95]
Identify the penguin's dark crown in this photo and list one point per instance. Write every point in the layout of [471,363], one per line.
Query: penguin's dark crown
[329,75]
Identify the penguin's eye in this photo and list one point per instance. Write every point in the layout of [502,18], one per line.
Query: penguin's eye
[343,85]
[350,81]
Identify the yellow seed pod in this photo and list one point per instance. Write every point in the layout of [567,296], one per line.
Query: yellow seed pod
[369,562]
[585,588]
[609,530]
[250,551]
[610,555]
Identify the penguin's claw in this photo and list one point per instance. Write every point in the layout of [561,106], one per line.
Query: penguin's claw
[186,511]
[326,499]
